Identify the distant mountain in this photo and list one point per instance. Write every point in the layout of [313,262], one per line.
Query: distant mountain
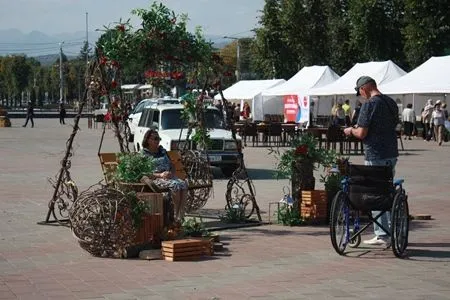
[37,43]
[46,47]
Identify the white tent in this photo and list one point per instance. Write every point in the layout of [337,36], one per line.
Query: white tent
[249,90]
[383,72]
[430,80]
[431,77]
[305,79]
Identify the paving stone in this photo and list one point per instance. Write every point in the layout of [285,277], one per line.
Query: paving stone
[272,261]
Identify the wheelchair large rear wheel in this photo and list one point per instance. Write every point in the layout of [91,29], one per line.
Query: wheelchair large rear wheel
[400,224]
[338,222]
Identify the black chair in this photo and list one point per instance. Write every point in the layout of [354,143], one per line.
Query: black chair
[335,136]
[275,133]
[250,130]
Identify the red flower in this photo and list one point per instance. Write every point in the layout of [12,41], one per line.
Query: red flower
[301,150]
[113,84]
[149,73]
[103,60]
[121,27]
[115,63]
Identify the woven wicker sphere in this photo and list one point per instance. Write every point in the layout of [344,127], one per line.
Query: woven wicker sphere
[101,221]
[199,175]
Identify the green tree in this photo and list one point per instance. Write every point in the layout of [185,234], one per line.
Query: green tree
[229,56]
[305,27]
[161,49]
[427,30]
[273,56]
[375,30]
[85,50]
[338,30]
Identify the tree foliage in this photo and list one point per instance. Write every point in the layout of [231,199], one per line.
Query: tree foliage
[273,56]
[341,33]
[427,30]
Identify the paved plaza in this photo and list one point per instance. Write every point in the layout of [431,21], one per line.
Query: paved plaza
[264,262]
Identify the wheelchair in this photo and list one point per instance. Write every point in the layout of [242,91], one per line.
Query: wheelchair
[364,189]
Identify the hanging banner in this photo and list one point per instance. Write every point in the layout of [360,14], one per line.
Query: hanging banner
[291,108]
[303,109]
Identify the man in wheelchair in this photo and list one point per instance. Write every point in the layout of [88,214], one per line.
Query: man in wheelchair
[376,126]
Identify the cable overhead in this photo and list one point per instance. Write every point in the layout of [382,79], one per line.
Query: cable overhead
[32,43]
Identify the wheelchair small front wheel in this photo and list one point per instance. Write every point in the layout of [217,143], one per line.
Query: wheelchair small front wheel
[400,224]
[339,222]
[354,242]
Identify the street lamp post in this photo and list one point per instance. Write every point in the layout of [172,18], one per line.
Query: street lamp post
[238,59]
[61,82]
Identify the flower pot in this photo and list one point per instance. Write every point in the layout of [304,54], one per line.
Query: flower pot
[302,177]
[150,229]
[313,206]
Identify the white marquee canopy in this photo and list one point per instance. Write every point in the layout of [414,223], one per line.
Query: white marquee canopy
[382,72]
[431,77]
[248,89]
[305,79]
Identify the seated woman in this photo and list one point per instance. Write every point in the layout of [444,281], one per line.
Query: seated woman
[164,173]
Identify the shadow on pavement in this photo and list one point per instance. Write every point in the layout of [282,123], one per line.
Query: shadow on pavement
[417,225]
[261,174]
[430,245]
[429,255]
[287,232]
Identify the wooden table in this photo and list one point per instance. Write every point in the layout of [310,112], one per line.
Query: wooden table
[290,131]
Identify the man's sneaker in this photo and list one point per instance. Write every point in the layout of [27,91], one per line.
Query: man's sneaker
[378,241]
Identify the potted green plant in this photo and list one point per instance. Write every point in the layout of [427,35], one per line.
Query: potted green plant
[194,228]
[299,162]
[131,168]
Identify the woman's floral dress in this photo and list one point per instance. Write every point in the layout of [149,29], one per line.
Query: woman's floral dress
[162,164]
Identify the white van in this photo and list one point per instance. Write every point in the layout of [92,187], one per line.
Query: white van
[223,151]
[135,114]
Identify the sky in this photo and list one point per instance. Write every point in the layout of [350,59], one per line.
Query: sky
[216,17]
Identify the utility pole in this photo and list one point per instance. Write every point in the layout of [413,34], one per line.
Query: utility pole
[61,82]
[87,41]
[238,58]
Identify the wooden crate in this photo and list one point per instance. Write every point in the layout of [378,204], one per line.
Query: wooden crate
[185,249]
[155,202]
[4,122]
[314,205]
[312,197]
[150,229]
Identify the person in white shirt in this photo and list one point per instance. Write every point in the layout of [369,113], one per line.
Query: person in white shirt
[409,121]
[438,122]
[427,120]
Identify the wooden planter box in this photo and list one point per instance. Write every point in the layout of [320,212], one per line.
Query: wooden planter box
[150,229]
[4,122]
[314,205]
[186,249]
[133,187]
[156,203]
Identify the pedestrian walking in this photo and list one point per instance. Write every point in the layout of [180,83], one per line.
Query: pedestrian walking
[376,125]
[62,114]
[438,118]
[30,115]
[427,120]
[409,121]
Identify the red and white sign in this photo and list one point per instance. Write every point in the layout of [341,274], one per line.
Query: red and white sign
[290,108]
